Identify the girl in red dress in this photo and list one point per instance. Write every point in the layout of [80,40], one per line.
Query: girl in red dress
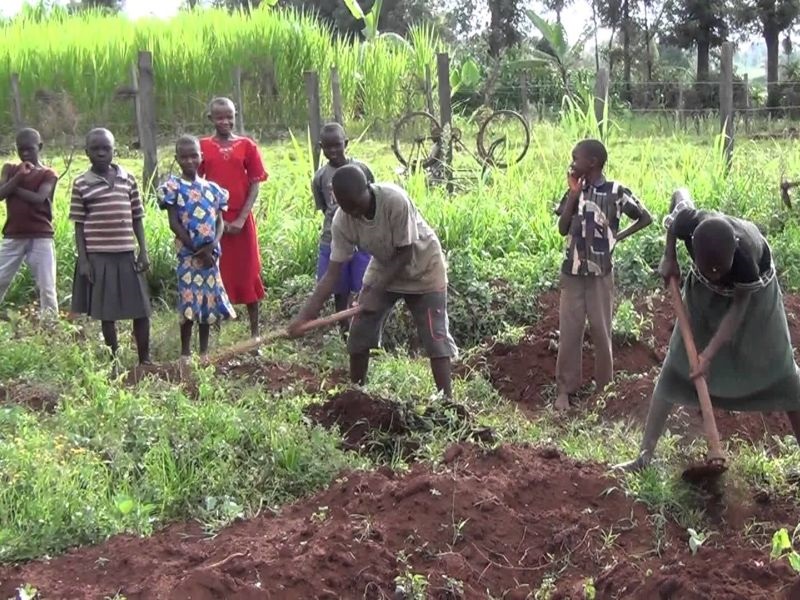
[234,163]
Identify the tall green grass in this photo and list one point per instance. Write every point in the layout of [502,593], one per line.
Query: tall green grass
[90,55]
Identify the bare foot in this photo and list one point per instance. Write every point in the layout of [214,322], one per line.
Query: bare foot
[562,402]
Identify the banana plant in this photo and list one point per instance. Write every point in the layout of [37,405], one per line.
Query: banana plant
[468,76]
[556,50]
[370,20]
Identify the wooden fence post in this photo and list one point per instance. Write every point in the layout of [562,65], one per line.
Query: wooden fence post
[523,86]
[238,99]
[747,106]
[601,97]
[680,111]
[145,99]
[314,114]
[445,112]
[726,113]
[336,94]
[16,103]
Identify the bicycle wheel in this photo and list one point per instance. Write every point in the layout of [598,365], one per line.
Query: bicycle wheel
[503,139]
[417,142]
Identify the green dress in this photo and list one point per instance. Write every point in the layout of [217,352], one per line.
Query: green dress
[755,370]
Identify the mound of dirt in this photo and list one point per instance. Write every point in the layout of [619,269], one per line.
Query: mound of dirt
[510,523]
[359,417]
[525,372]
[36,396]
[522,371]
[630,401]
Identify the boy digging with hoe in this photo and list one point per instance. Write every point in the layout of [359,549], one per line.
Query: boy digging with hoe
[589,216]
[407,262]
[28,190]
[333,142]
[736,313]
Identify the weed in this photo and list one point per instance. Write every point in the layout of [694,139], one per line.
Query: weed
[628,323]
[783,547]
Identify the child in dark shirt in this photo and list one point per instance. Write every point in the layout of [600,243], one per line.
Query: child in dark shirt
[28,189]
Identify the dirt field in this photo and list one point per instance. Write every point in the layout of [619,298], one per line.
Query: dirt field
[509,522]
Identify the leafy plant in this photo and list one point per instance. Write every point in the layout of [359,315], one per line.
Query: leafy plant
[783,547]
[468,76]
[696,539]
[628,323]
[371,19]
[555,49]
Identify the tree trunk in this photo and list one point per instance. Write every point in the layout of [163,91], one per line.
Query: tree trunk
[596,44]
[771,37]
[626,47]
[703,60]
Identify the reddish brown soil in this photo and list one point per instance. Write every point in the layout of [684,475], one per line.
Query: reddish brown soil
[383,428]
[525,372]
[359,417]
[499,522]
[35,396]
[273,377]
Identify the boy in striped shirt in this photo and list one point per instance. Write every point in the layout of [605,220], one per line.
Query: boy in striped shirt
[109,283]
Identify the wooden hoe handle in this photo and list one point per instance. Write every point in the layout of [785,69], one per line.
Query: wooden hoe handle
[709,424]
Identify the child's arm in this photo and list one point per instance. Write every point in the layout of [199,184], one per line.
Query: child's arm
[322,291]
[8,183]
[727,328]
[177,227]
[142,261]
[370,294]
[319,197]
[643,221]
[256,173]
[571,204]
[42,194]
[84,266]
[137,214]
[252,195]
[631,207]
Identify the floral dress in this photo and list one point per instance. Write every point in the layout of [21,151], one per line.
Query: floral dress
[201,293]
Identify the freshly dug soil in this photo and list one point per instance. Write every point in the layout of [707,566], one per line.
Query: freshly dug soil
[525,372]
[36,396]
[359,417]
[506,522]
[381,427]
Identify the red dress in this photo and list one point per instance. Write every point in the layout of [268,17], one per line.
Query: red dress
[234,166]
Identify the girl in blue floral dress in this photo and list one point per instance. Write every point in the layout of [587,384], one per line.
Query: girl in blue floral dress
[195,210]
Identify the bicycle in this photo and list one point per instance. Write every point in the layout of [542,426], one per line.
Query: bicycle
[420,143]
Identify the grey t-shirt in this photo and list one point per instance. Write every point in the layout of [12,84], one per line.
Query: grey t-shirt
[396,224]
[323,194]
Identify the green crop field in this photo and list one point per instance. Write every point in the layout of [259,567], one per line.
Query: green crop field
[85,456]
[88,57]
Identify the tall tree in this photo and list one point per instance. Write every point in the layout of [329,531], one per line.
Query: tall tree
[504,21]
[557,6]
[769,18]
[701,24]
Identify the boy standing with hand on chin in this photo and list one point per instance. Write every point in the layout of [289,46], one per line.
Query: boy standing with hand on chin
[589,216]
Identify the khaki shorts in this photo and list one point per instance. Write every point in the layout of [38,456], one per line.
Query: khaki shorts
[430,315]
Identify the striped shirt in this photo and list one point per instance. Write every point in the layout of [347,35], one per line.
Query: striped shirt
[594,226]
[107,210]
